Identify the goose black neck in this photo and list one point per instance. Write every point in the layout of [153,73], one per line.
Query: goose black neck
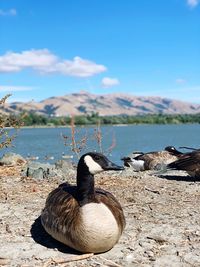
[85,185]
[177,153]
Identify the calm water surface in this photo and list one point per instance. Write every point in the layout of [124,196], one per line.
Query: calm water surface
[44,142]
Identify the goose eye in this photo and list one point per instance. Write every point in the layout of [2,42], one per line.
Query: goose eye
[97,157]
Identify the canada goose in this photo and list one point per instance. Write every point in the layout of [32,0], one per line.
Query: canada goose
[140,161]
[83,217]
[189,162]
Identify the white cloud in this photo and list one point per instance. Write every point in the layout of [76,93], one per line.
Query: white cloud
[10,89]
[77,67]
[46,62]
[10,12]
[36,59]
[180,81]
[192,3]
[109,82]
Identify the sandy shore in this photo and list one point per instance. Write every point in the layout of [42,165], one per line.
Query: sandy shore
[162,215]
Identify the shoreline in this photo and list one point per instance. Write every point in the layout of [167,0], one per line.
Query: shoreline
[102,125]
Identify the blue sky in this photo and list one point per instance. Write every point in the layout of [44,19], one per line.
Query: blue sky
[143,47]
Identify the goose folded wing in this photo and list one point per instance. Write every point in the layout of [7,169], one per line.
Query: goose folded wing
[188,162]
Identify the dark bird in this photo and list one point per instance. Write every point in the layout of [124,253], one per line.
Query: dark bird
[83,217]
[140,161]
[189,162]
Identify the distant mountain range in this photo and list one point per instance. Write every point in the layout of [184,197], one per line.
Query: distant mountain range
[107,104]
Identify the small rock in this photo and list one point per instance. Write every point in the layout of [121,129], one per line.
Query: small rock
[149,253]
[39,174]
[12,159]
[64,164]
[129,258]
[65,168]
[39,170]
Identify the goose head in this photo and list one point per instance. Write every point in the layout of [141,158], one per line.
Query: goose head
[93,163]
[90,164]
[173,150]
[127,161]
[132,158]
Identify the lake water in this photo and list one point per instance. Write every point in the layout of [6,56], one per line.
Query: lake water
[42,142]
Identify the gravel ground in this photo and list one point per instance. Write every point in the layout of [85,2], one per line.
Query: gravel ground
[162,215]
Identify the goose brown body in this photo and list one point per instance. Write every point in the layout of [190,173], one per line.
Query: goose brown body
[152,160]
[93,223]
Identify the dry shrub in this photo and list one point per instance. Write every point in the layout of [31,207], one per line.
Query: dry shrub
[78,145]
[6,123]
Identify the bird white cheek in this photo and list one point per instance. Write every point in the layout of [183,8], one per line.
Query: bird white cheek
[93,166]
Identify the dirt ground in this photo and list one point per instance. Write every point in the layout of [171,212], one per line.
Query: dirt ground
[162,221]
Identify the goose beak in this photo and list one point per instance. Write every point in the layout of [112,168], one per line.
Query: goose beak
[127,159]
[113,167]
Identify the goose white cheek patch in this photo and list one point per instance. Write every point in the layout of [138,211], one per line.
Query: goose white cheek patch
[93,166]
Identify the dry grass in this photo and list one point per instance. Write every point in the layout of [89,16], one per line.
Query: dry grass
[162,217]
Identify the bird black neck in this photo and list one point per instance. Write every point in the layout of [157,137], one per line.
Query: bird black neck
[85,185]
[177,153]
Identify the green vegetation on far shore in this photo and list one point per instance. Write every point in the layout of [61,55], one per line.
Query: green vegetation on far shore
[33,119]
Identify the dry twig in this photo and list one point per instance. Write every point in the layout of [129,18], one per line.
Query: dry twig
[98,136]
[66,260]
[152,190]
[4,261]
[113,145]
[111,263]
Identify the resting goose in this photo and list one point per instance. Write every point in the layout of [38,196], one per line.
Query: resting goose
[140,161]
[83,217]
[189,162]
